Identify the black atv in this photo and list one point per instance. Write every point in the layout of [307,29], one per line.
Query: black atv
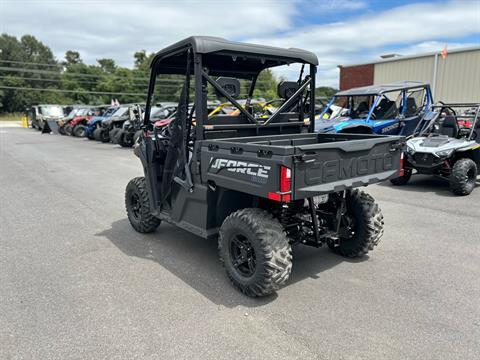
[111,126]
[258,184]
[447,146]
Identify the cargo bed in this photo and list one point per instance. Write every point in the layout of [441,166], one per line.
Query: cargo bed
[320,163]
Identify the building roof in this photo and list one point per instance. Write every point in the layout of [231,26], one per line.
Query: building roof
[210,44]
[383,88]
[406,57]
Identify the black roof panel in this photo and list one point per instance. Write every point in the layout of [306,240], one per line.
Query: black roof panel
[381,89]
[210,44]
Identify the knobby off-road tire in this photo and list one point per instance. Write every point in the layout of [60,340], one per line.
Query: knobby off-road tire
[402,180]
[463,177]
[125,139]
[97,134]
[266,262]
[367,226]
[138,206]
[79,131]
[68,129]
[113,134]
[136,136]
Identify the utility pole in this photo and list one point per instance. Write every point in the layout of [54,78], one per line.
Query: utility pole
[434,78]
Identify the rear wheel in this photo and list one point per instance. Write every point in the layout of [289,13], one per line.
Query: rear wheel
[402,180]
[79,131]
[362,226]
[255,252]
[138,206]
[463,177]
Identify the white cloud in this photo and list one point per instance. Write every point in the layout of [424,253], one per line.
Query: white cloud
[361,39]
[116,29]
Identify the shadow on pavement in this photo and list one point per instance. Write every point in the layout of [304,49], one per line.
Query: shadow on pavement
[195,261]
[424,184]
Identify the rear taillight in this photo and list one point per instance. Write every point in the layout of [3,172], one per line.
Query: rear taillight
[285,179]
[285,193]
[402,160]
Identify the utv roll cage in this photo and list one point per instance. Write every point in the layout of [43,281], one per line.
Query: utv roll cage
[450,119]
[217,62]
[379,91]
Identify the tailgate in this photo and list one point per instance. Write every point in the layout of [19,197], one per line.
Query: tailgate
[336,166]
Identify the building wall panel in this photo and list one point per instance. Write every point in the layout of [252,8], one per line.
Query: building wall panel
[458,75]
[356,76]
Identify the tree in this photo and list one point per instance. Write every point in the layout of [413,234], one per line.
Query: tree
[72,57]
[266,86]
[325,91]
[107,65]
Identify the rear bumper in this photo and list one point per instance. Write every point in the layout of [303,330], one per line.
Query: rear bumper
[344,184]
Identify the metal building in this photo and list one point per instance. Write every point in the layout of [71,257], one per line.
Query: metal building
[455,78]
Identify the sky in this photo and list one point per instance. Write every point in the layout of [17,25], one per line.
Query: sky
[339,31]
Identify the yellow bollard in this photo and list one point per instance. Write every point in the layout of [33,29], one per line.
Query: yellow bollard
[24,122]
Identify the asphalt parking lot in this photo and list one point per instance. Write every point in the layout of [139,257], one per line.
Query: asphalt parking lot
[76,281]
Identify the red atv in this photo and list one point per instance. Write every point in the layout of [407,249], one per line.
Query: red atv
[81,119]
[76,126]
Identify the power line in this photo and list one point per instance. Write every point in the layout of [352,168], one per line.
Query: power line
[30,63]
[55,73]
[60,80]
[48,72]
[70,91]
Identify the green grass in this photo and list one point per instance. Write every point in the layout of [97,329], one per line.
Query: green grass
[11,116]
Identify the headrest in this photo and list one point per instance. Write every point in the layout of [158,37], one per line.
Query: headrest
[230,85]
[286,89]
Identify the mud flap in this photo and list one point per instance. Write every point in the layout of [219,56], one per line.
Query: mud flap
[50,126]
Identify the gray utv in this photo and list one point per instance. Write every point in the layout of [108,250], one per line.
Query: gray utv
[447,146]
[259,184]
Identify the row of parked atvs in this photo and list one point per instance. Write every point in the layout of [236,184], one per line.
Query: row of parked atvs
[119,124]
[441,138]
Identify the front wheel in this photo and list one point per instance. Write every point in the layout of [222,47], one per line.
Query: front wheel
[138,206]
[255,252]
[125,139]
[402,180]
[463,177]
[79,131]
[136,136]
[362,226]
[113,135]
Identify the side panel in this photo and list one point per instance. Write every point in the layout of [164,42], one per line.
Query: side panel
[242,171]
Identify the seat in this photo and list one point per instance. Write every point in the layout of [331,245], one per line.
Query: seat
[412,108]
[384,107]
[449,126]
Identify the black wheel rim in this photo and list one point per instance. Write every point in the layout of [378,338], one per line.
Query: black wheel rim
[242,255]
[135,205]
